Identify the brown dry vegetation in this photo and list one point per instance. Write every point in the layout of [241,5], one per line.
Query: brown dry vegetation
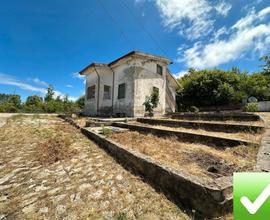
[249,136]
[192,158]
[86,184]
[54,150]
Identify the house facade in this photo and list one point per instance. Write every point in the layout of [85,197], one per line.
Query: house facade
[120,88]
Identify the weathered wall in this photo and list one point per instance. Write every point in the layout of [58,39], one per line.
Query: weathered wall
[139,75]
[264,106]
[146,77]
[170,97]
[106,78]
[90,104]
[124,73]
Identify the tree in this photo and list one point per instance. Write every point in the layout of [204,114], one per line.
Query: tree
[209,87]
[266,65]
[34,104]
[258,85]
[10,102]
[50,93]
[151,102]
[80,102]
[15,100]
[34,100]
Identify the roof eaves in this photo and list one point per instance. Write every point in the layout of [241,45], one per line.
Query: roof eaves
[140,54]
[92,65]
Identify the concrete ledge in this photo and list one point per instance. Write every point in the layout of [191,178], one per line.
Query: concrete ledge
[217,116]
[263,156]
[204,125]
[188,137]
[209,199]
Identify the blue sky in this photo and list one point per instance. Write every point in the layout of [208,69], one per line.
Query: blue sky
[48,42]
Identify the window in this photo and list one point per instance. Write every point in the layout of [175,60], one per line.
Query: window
[122,91]
[91,92]
[107,92]
[159,69]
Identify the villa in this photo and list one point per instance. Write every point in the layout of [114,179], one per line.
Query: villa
[120,88]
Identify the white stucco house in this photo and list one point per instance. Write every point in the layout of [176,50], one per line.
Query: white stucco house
[121,87]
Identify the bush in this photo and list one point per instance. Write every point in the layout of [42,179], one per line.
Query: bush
[8,108]
[220,88]
[106,131]
[251,107]
[151,102]
[209,88]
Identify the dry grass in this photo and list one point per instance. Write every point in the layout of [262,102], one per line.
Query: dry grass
[249,136]
[83,176]
[54,150]
[192,158]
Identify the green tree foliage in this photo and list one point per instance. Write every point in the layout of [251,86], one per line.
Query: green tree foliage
[33,104]
[80,102]
[36,104]
[251,107]
[10,103]
[209,87]
[50,93]
[266,65]
[257,85]
[218,87]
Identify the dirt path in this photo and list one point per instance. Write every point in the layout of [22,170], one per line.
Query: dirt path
[88,185]
[3,118]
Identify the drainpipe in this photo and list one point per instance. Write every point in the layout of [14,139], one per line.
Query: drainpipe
[112,89]
[98,89]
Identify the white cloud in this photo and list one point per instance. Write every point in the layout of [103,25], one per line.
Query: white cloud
[191,18]
[6,79]
[40,82]
[248,34]
[180,74]
[77,76]
[220,32]
[10,80]
[223,8]
[69,86]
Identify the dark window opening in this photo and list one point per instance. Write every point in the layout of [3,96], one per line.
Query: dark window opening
[122,91]
[91,92]
[159,69]
[107,92]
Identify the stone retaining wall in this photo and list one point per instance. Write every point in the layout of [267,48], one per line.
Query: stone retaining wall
[207,199]
[216,116]
[203,125]
[188,137]
[263,157]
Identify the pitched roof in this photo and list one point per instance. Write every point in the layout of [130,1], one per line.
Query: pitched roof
[132,53]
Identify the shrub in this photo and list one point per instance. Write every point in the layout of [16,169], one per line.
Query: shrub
[251,107]
[208,87]
[151,102]
[121,216]
[105,131]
